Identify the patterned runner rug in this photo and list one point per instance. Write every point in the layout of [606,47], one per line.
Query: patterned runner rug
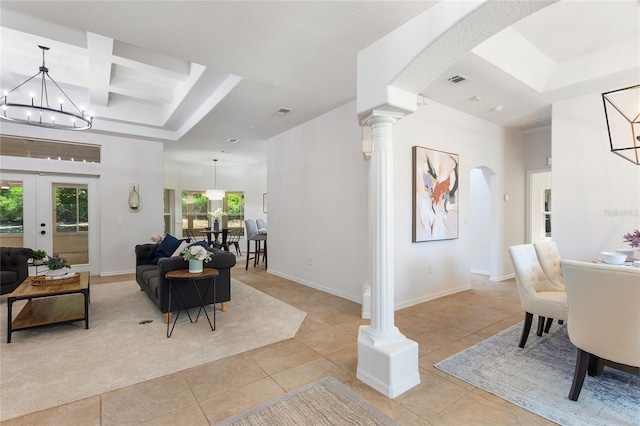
[538,378]
[324,402]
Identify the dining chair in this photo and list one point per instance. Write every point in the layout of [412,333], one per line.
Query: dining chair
[261,224]
[234,239]
[189,234]
[614,333]
[549,258]
[537,295]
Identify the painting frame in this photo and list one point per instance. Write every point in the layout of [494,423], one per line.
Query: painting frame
[435,200]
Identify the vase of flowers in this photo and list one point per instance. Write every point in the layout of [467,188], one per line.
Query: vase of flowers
[196,255]
[633,238]
[56,265]
[216,215]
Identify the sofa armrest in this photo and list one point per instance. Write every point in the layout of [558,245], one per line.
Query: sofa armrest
[221,259]
[145,253]
[16,259]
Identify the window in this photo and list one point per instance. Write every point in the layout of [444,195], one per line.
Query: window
[167,197]
[195,205]
[11,207]
[234,206]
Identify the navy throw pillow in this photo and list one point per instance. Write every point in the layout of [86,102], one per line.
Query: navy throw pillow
[167,246]
[201,243]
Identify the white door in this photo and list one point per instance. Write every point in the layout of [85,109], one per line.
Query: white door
[60,215]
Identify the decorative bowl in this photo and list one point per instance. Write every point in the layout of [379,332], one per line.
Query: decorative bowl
[613,258]
[627,252]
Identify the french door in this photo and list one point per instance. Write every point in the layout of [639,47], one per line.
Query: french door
[59,215]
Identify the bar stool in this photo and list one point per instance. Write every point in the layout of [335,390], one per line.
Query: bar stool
[252,235]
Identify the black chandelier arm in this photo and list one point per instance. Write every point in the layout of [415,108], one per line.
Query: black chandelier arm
[21,84]
[65,95]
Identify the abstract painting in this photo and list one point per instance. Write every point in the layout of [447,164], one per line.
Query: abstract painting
[435,195]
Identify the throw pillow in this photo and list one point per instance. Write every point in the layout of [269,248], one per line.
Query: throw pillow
[201,243]
[182,246]
[167,246]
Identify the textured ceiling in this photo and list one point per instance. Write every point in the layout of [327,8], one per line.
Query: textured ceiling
[195,74]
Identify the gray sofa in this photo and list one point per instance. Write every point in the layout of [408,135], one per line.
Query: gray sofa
[14,268]
[151,278]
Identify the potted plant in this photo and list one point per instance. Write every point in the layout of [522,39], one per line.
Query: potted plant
[38,257]
[216,215]
[56,265]
[196,255]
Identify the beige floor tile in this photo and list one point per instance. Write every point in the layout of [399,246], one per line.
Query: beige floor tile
[80,413]
[146,401]
[222,375]
[328,340]
[310,372]
[230,403]
[432,396]
[187,416]
[270,358]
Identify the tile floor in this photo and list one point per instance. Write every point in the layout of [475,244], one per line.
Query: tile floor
[326,344]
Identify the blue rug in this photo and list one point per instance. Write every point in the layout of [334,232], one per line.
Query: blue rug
[538,378]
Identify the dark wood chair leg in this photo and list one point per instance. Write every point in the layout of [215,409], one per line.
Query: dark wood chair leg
[547,326]
[560,322]
[528,319]
[582,364]
[541,320]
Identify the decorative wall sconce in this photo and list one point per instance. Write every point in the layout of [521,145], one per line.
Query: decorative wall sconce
[622,111]
[134,196]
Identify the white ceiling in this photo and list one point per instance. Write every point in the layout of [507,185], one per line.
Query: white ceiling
[194,74]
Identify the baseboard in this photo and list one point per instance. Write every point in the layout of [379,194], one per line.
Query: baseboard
[429,297]
[316,286]
[113,273]
[502,278]
[481,272]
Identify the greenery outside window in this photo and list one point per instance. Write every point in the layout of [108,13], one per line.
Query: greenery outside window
[72,208]
[195,205]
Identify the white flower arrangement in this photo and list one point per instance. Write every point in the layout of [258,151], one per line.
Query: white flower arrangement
[196,253]
[216,214]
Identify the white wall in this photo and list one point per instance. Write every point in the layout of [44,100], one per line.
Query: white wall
[318,184]
[596,194]
[481,220]
[123,161]
[318,204]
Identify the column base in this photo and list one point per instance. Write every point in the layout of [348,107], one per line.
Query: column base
[390,368]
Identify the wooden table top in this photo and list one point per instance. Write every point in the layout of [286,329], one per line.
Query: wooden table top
[184,274]
[26,289]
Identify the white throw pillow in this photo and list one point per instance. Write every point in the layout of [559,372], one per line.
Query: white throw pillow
[181,247]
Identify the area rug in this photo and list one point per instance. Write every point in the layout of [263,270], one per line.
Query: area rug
[54,365]
[324,402]
[538,378]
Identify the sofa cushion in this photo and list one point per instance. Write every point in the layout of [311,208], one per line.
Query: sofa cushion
[8,277]
[166,248]
[183,244]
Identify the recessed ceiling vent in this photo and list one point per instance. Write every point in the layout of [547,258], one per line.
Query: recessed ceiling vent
[458,79]
[537,124]
[232,140]
[282,111]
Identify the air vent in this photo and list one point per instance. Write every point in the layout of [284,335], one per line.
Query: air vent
[282,111]
[458,79]
[546,122]
[232,140]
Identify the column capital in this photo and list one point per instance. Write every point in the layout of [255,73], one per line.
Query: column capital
[380,116]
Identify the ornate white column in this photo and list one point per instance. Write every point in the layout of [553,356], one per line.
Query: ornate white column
[387,360]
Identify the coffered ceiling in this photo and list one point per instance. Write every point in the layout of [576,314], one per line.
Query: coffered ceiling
[211,78]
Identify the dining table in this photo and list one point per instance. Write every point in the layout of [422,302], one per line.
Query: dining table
[216,233]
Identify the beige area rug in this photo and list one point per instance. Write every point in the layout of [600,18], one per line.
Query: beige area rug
[324,402]
[49,366]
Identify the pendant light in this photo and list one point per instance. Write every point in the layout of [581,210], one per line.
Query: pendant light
[215,194]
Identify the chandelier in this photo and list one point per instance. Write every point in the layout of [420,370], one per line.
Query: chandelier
[215,194]
[622,112]
[42,114]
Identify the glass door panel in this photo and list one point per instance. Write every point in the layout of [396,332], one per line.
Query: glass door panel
[11,213]
[71,217]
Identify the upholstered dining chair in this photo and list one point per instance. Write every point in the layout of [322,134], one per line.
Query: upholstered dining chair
[537,295]
[261,224]
[613,292]
[549,258]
